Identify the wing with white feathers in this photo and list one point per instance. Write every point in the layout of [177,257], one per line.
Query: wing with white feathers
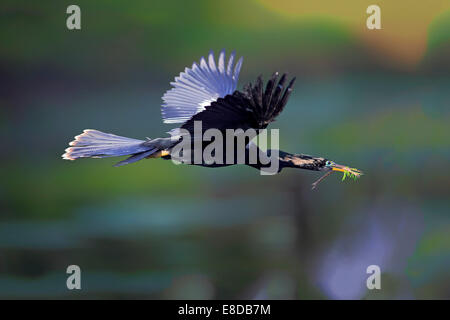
[199,86]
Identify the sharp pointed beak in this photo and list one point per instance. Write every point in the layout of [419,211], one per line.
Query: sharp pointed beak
[352,172]
[338,167]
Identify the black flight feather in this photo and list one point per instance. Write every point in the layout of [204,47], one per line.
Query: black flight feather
[254,108]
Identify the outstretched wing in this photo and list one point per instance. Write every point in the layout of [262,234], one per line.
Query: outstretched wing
[199,86]
[255,108]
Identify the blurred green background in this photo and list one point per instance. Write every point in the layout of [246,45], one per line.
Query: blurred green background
[376,100]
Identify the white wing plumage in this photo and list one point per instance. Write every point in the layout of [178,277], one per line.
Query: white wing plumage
[199,86]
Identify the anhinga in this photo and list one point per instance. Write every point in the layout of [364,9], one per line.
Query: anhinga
[207,93]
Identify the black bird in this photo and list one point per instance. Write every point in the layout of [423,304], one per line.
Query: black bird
[206,94]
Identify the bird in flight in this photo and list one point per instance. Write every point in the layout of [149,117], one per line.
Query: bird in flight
[206,94]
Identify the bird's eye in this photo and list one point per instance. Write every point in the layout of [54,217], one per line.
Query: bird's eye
[329,163]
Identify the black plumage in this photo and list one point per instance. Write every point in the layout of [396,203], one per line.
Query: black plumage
[253,108]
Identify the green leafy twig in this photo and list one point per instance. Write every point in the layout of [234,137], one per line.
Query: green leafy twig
[351,173]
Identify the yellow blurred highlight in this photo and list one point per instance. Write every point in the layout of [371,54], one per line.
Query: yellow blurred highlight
[403,35]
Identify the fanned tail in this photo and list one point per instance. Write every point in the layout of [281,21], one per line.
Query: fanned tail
[96,144]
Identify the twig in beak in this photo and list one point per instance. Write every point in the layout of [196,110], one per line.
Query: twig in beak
[314,185]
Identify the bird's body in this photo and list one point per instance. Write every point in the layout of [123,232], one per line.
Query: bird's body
[218,123]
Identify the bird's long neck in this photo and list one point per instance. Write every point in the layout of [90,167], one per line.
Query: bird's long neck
[300,161]
[289,160]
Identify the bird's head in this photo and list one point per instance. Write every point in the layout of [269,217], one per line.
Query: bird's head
[329,165]
[303,161]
